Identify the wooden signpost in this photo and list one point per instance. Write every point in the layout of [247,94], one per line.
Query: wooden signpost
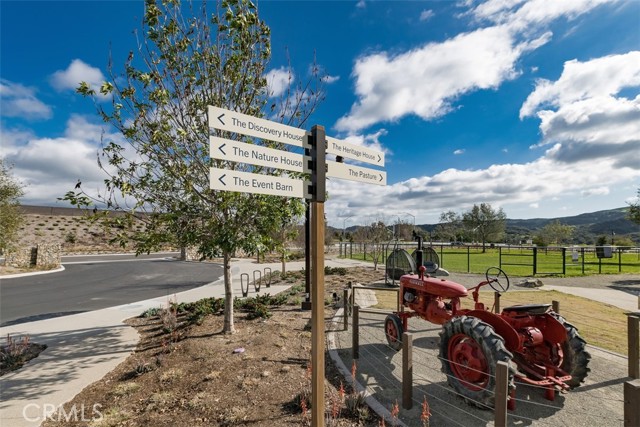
[317,144]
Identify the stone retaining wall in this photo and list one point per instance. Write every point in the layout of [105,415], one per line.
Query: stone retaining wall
[48,255]
[44,255]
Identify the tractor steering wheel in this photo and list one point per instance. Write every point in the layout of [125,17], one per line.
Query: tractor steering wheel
[497,279]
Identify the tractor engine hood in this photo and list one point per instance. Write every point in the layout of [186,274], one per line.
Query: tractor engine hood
[440,287]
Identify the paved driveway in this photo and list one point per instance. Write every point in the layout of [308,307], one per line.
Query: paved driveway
[97,284]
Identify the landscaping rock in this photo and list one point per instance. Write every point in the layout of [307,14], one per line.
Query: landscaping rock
[530,282]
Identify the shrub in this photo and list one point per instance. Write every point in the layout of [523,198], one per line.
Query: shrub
[340,271]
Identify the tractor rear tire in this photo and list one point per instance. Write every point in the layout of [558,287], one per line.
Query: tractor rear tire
[469,351]
[576,358]
[393,331]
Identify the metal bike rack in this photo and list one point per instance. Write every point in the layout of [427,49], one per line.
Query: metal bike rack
[245,293]
[268,282]
[257,283]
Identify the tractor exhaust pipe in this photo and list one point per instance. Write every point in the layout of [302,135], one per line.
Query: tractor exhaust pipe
[419,259]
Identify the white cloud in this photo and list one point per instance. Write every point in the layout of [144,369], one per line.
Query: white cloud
[77,72]
[593,139]
[596,191]
[426,14]
[525,15]
[582,80]
[431,76]
[437,74]
[534,183]
[51,166]
[330,79]
[279,80]
[591,121]
[361,4]
[21,101]
[458,151]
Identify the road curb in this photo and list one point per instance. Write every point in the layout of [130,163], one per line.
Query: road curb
[34,273]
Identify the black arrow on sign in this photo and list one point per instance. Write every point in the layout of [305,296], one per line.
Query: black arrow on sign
[220,179]
[220,148]
[379,158]
[380,177]
[220,118]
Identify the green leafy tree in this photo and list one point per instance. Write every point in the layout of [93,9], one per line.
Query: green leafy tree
[10,217]
[288,230]
[450,226]
[634,210]
[158,166]
[484,222]
[374,236]
[554,233]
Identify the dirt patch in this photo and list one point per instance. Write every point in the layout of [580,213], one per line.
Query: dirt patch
[16,352]
[193,375]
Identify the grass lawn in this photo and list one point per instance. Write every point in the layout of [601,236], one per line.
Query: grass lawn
[601,325]
[519,261]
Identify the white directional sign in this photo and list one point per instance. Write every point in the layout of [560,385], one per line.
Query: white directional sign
[245,182]
[356,173]
[234,151]
[232,121]
[353,151]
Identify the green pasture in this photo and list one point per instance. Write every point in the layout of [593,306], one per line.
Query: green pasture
[519,261]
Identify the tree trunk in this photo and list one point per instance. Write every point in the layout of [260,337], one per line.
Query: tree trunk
[228,296]
[283,259]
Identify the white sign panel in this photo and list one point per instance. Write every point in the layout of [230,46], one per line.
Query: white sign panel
[353,151]
[231,121]
[234,151]
[356,173]
[245,182]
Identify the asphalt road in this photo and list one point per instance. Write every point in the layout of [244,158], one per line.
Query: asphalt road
[95,282]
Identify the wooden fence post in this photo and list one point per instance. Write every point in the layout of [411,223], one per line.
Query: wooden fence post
[345,308]
[632,403]
[555,305]
[496,302]
[355,333]
[407,370]
[633,339]
[501,394]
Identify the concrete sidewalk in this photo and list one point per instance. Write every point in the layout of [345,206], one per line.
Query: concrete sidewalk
[82,348]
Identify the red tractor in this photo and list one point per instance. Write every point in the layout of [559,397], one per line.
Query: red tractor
[540,347]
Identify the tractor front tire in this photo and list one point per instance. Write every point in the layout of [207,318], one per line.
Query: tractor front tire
[575,356]
[469,351]
[393,331]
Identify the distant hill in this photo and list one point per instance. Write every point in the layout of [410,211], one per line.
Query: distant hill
[588,226]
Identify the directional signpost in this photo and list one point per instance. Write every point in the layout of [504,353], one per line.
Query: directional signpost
[318,145]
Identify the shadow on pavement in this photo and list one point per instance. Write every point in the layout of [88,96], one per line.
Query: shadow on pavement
[40,317]
[631,286]
[62,362]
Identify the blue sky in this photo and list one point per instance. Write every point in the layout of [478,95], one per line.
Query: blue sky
[532,106]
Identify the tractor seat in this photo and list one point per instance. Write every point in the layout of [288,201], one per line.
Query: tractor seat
[530,308]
